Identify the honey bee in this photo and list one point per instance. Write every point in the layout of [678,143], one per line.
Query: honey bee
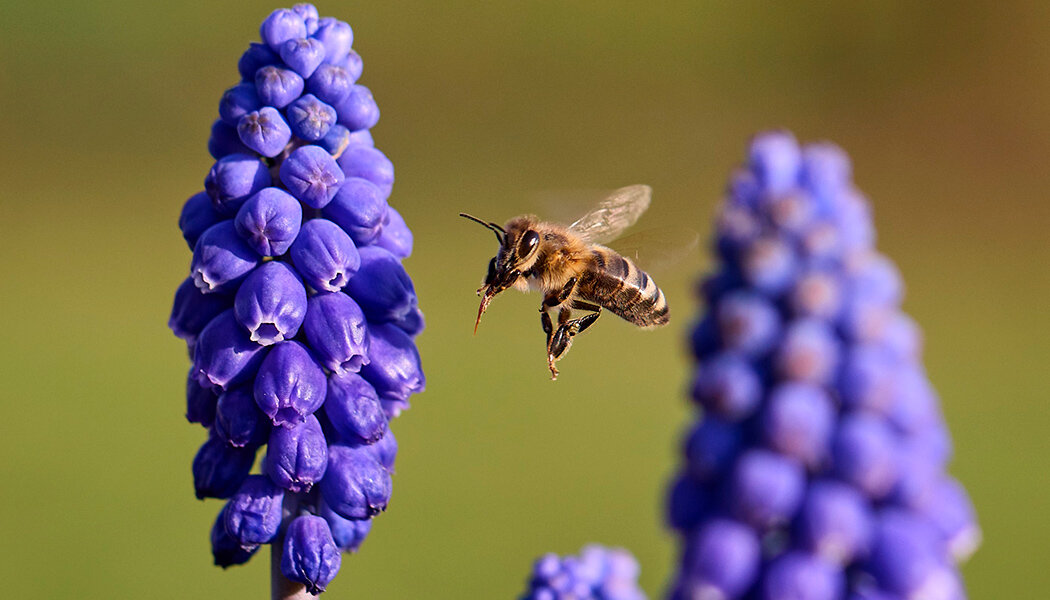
[574,270]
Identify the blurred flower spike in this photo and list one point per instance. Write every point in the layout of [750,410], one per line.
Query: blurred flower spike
[598,573]
[299,317]
[817,467]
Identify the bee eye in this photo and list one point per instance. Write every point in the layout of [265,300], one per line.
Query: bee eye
[528,242]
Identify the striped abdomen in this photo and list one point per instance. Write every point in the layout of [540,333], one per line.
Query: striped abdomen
[615,283]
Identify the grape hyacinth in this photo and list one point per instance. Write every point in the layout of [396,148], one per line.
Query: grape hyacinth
[817,469]
[298,314]
[598,573]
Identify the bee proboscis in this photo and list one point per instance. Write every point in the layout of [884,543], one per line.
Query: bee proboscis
[574,270]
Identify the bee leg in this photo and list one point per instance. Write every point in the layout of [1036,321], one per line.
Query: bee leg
[548,327]
[559,341]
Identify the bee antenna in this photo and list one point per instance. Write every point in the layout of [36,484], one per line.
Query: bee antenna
[499,231]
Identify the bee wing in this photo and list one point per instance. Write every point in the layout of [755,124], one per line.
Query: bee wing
[613,215]
[658,249]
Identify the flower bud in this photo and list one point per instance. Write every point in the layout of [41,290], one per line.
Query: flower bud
[269,221]
[353,65]
[226,550]
[264,131]
[834,522]
[198,214]
[219,469]
[277,87]
[330,84]
[359,208]
[727,386]
[325,255]
[335,328]
[282,25]
[303,55]
[311,175]
[192,310]
[310,556]
[271,303]
[381,287]
[310,119]
[800,575]
[385,449]
[239,421]
[775,159]
[200,401]
[335,141]
[232,179]
[348,534]
[766,488]
[297,457]
[254,58]
[253,514]
[225,141]
[371,164]
[355,486]
[358,110]
[864,454]
[238,101]
[353,409]
[393,366]
[337,38]
[221,259]
[395,236]
[225,356]
[722,561]
[747,323]
[798,421]
[290,384]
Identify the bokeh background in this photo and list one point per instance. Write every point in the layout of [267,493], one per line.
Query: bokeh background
[105,109]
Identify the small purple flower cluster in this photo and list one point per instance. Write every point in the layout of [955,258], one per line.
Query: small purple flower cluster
[299,316]
[599,573]
[817,470]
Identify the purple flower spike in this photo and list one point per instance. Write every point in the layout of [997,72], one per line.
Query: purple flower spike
[282,25]
[310,119]
[335,328]
[598,572]
[221,259]
[253,514]
[310,555]
[219,469]
[359,208]
[348,534]
[254,58]
[396,236]
[268,320]
[358,110]
[303,55]
[264,131]
[269,221]
[277,87]
[198,214]
[381,286]
[239,421]
[192,309]
[232,179]
[225,141]
[200,401]
[355,486]
[352,406]
[337,38]
[393,366]
[290,385]
[800,576]
[325,255]
[820,432]
[226,550]
[238,101]
[311,175]
[330,84]
[371,164]
[271,303]
[297,457]
[225,356]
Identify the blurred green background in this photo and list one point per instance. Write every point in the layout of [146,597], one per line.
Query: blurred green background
[104,112]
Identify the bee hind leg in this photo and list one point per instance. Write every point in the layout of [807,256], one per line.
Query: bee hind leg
[560,342]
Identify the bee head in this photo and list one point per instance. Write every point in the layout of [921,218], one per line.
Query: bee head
[519,243]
